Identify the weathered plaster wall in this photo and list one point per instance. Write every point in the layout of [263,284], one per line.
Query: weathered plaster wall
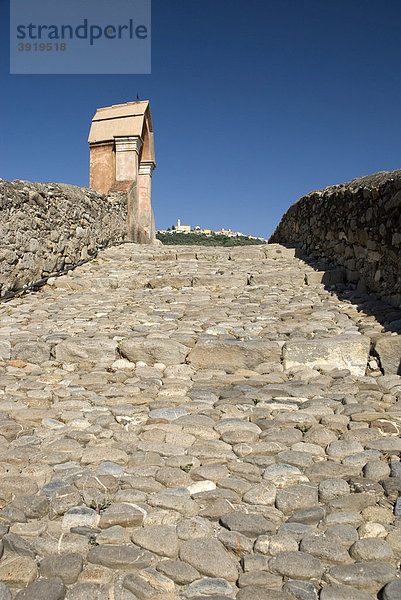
[356,225]
[47,227]
[102,167]
[141,221]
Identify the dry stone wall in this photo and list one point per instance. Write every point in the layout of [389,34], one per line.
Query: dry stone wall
[46,228]
[355,225]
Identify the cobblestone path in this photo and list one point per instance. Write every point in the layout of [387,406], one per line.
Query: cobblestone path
[196,423]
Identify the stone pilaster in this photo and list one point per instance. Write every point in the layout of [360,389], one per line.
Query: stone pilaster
[127,157]
[146,169]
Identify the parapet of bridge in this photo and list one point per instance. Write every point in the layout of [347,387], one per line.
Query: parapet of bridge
[122,158]
[354,226]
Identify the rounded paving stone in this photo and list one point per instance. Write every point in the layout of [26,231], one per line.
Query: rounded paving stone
[33,507]
[65,566]
[392,591]
[282,542]
[370,576]
[197,527]
[300,590]
[371,549]
[17,545]
[120,557]
[236,542]
[147,584]
[108,467]
[43,589]
[121,513]
[310,516]
[343,592]
[332,488]
[179,571]
[296,497]
[167,414]
[264,493]
[297,565]
[251,525]
[50,488]
[209,587]
[283,475]
[80,516]
[88,591]
[18,571]
[159,539]
[327,549]
[295,530]
[345,534]
[372,530]
[260,579]
[209,557]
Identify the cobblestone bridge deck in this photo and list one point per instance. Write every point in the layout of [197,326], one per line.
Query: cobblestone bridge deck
[196,423]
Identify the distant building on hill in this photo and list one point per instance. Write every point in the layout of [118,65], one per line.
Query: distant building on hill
[229,232]
[182,228]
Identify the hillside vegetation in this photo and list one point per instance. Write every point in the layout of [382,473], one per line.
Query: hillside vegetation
[201,239]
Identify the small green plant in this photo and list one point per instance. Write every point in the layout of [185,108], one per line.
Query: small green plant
[303,428]
[92,541]
[100,506]
[187,467]
[256,401]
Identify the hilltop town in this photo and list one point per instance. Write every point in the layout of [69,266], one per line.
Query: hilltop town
[186,229]
[184,235]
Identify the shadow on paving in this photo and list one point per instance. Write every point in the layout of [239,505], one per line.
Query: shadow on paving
[370,303]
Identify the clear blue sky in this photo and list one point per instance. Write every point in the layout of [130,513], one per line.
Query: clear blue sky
[254,104]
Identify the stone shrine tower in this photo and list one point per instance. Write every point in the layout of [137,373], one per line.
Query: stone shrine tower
[122,158]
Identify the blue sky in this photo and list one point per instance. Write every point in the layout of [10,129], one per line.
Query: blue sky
[254,104]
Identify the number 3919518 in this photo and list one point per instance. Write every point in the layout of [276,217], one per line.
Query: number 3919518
[42,47]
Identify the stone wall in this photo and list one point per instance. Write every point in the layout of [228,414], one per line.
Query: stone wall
[355,225]
[46,228]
